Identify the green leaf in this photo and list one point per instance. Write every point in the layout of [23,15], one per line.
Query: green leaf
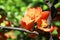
[51,1]
[2,1]
[12,25]
[7,7]
[23,9]
[18,17]
[16,32]
[9,39]
[3,24]
[43,38]
[8,14]
[2,6]
[57,5]
[34,0]
[55,32]
[25,33]
[57,23]
[45,7]
[12,8]
[41,0]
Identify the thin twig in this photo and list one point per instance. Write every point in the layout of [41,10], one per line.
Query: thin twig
[20,29]
[48,3]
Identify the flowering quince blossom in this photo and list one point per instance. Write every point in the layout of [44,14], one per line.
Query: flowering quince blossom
[35,15]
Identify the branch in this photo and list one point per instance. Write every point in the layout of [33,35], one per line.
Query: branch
[49,17]
[20,29]
[48,3]
[52,10]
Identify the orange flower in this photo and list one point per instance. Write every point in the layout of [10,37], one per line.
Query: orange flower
[35,15]
[45,14]
[30,13]
[26,23]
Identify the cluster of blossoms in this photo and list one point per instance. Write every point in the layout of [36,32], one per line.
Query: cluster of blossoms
[35,16]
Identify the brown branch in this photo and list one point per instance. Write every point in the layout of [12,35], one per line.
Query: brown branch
[19,29]
[52,10]
[48,3]
[49,6]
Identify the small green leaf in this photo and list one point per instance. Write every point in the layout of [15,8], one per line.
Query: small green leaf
[23,9]
[18,17]
[16,32]
[2,6]
[34,0]
[12,25]
[9,39]
[3,24]
[54,32]
[57,23]
[41,0]
[25,33]
[57,5]
[45,7]
[7,7]
[43,38]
